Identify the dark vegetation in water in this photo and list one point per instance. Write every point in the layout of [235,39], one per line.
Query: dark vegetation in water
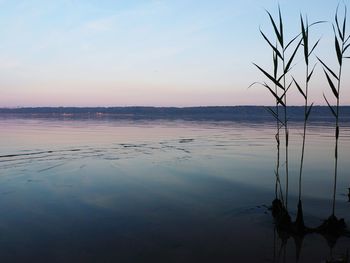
[283,235]
[341,46]
[331,228]
[279,82]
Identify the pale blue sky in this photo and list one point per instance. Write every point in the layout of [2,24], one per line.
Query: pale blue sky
[161,53]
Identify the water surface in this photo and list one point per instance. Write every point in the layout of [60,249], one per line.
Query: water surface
[160,191]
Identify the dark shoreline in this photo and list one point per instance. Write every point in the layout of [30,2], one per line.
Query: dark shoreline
[213,113]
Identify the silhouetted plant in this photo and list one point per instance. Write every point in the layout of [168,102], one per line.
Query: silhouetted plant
[332,227]
[341,45]
[280,82]
[307,108]
[278,128]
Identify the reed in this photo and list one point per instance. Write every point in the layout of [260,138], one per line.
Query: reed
[280,83]
[307,108]
[283,57]
[279,124]
[341,45]
[276,114]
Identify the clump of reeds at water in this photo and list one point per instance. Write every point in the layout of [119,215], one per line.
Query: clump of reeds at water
[281,81]
[341,45]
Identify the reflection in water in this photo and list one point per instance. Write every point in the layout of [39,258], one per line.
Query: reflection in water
[127,191]
[280,245]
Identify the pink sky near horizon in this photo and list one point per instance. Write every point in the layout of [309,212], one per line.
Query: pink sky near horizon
[150,53]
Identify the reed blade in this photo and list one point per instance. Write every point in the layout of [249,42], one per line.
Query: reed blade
[329,70]
[331,85]
[339,52]
[275,64]
[270,77]
[305,40]
[337,24]
[272,46]
[310,75]
[347,39]
[274,114]
[279,100]
[281,24]
[329,105]
[346,47]
[313,48]
[290,42]
[270,110]
[299,88]
[317,22]
[254,83]
[344,22]
[309,111]
[278,34]
[292,57]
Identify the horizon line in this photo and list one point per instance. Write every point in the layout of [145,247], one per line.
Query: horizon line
[144,106]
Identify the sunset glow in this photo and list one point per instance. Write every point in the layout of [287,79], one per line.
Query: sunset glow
[159,53]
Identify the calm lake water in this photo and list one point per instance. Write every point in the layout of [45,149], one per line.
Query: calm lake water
[160,191]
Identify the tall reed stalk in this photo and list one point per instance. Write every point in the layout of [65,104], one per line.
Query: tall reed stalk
[341,43]
[281,83]
[278,128]
[277,136]
[307,108]
[275,113]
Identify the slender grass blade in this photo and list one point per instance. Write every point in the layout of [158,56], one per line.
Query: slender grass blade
[272,46]
[290,42]
[270,77]
[305,40]
[299,88]
[313,48]
[279,100]
[292,57]
[281,25]
[274,114]
[312,71]
[344,22]
[331,85]
[279,37]
[329,70]
[339,53]
[309,111]
[338,27]
[329,105]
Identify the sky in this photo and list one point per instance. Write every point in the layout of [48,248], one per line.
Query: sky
[151,53]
